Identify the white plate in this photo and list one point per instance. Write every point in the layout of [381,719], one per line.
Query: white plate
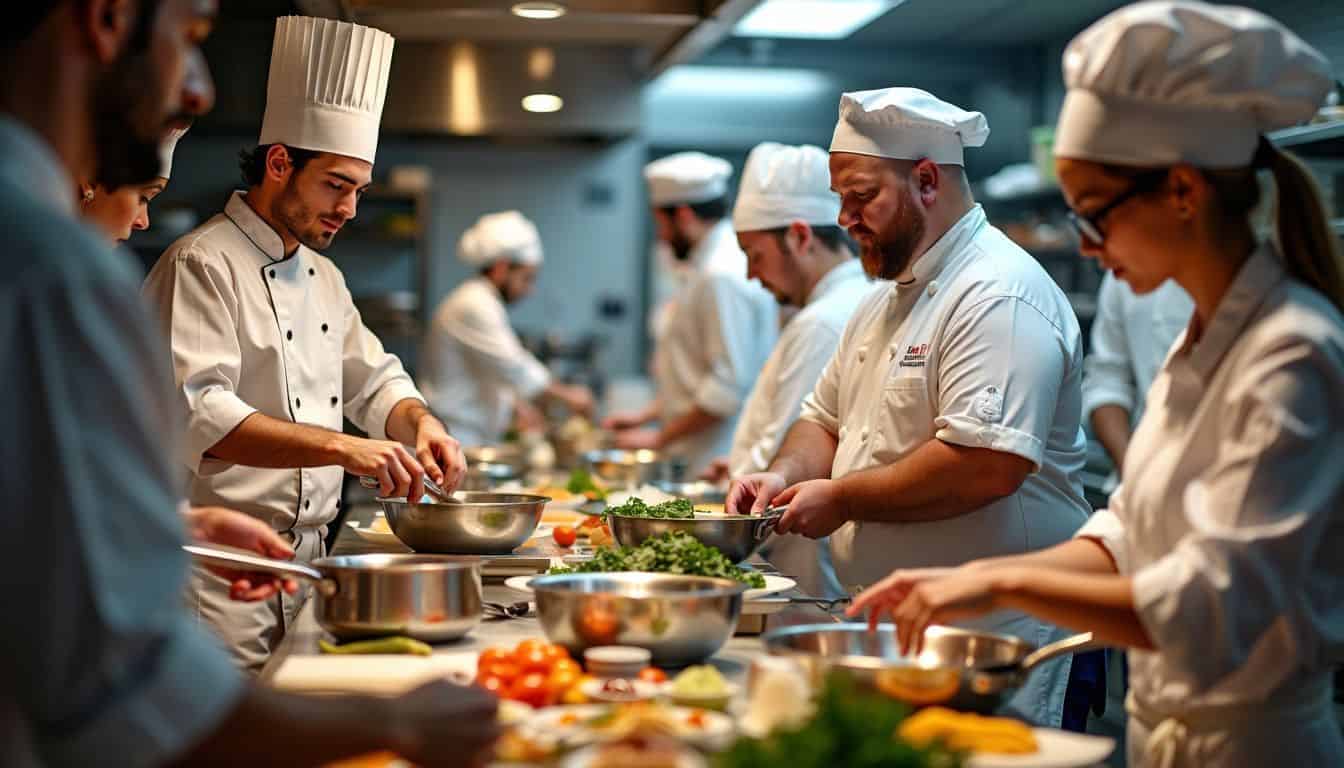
[586,757]
[773,585]
[1057,749]
[573,502]
[717,730]
[372,536]
[643,690]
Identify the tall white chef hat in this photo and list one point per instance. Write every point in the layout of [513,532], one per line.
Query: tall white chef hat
[327,85]
[906,124]
[687,178]
[166,151]
[505,235]
[1158,83]
[782,184]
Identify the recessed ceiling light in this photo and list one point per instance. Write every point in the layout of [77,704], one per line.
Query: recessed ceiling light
[538,10]
[543,102]
[815,19]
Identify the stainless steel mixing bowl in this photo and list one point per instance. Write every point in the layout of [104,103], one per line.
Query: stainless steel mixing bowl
[679,619]
[482,524]
[736,536]
[957,668]
[619,469]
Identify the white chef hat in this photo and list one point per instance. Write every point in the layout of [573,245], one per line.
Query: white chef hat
[906,124]
[687,178]
[782,184]
[166,149]
[327,85]
[505,235]
[1159,83]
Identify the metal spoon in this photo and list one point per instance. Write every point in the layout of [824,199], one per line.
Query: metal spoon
[430,486]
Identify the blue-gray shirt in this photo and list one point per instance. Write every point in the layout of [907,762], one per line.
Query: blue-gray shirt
[99,662]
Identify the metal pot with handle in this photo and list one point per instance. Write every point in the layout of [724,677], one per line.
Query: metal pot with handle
[428,597]
[957,668]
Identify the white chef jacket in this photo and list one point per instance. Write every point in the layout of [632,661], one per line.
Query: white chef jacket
[720,332]
[805,345]
[982,349]
[252,330]
[1231,525]
[1131,336]
[101,664]
[475,366]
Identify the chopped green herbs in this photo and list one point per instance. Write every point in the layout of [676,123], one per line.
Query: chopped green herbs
[671,552]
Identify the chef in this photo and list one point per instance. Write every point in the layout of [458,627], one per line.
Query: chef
[785,217]
[476,369]
[1217,562]
[946,427]
[121,210]
[268,350]
[1131,336]
[720,328]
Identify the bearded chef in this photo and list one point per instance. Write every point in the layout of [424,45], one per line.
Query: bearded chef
[268,350]
[719,328]
[476,370]
[947,426]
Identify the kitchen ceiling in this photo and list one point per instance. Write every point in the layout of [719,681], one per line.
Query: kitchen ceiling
[986,22]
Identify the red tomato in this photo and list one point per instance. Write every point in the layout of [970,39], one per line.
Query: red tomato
[524,646]
[533,660]
[564,535]
[491,656]
[496,685]
[652,675]
[530,689]
[505,670]
[557,653]
[566,665]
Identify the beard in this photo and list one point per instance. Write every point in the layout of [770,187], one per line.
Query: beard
[130,120]
[681,245]
[886,254]
[298,217]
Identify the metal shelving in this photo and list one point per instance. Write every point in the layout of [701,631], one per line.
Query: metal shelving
[1317,139]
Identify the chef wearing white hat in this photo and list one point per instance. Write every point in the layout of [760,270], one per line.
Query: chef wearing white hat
[121,210]
[268,350]
[1217,562]
[947,426]
[785,218]
[476,371]
[719,328]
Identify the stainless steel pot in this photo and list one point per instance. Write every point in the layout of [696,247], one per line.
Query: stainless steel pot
[957,668]
[679,619]
[619,469]
[480,524]
[736,536]
[430,598]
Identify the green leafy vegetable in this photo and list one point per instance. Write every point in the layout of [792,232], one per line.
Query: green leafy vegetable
[581,482]
[676,509]
[671,552]
[850,728]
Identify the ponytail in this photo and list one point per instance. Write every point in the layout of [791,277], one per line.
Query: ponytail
[1311,252]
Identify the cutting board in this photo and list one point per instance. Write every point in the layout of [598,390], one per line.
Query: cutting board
[386,675]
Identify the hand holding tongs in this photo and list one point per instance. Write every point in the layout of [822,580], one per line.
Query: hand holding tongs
[431,487]
[766,525]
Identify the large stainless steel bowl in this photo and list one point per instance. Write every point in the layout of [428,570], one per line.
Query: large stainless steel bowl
[679,619]
[482,524]
[624,469]
[957,668]
[736,536]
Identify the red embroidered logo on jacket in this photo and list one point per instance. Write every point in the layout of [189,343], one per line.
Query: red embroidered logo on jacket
[915,356]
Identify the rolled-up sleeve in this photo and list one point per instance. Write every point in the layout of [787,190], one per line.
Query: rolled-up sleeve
[1107,528]
[1108,371]
[199,312]
[1000,372]
[100,656]
[493,349]
[372,378]
[1258,571]
[727,313]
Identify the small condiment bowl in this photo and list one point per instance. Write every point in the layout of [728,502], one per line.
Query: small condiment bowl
[616,661]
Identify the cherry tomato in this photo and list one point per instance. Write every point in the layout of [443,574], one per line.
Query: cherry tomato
[530,689]
[505,670]
[567,665]
[557,653]
[525,646]
[564,535]
[491,656]
[496,685]
[590,521]
[533,660]
[652,675]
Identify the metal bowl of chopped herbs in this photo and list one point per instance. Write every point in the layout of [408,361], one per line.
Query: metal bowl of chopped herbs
[736,536]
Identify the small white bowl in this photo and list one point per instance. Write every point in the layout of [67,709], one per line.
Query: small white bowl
[616,660]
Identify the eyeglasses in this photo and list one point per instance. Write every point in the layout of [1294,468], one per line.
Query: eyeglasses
[1089,227]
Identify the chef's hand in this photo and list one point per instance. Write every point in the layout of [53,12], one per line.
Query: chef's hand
[439,453]
[623,421]
[814,509]
[751,494]
[446,725]
[917,599]
[578,399]
[528,418]
[717,471]
[638,439]
[217,525]
[389,462]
